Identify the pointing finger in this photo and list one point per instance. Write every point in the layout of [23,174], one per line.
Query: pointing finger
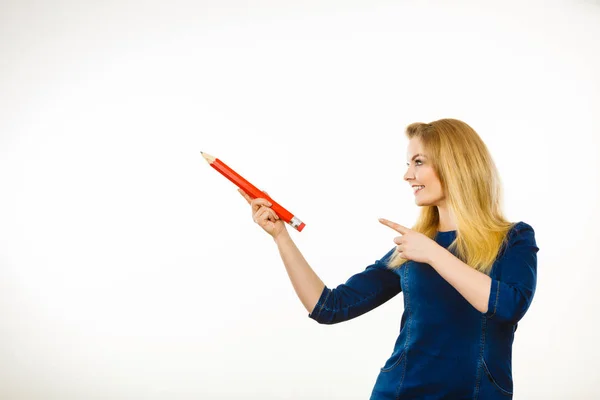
[394,226]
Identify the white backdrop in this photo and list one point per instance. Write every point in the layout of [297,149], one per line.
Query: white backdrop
[130,269]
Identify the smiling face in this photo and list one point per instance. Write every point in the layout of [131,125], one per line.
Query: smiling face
[420,172]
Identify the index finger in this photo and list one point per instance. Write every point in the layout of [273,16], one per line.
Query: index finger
[395,226]
[248,199]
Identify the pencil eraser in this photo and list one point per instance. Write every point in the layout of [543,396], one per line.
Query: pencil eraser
[301,226]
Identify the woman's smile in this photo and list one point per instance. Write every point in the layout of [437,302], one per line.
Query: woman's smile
[417,189]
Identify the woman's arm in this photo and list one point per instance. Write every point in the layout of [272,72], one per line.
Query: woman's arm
[506,295]
[361,293]
[473,285]
[306,282]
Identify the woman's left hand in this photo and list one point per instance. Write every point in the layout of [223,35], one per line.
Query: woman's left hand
[412,245]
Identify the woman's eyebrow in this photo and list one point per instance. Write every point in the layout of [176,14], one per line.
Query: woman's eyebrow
[417,155]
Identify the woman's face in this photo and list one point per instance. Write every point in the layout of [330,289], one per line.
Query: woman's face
[420,172]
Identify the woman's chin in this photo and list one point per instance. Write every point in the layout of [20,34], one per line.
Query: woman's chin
[422,203]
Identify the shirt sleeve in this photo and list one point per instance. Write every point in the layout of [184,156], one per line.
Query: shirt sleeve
[361,293]
[514,277]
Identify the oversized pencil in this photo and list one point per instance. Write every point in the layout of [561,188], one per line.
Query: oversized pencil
[253,191]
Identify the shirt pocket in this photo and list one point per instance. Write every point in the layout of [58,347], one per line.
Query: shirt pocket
[500,387]
[389,380]
[393,361]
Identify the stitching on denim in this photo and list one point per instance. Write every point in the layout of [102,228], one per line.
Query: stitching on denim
[399,387]
[402,377]
[407,306]
[496,301]
[367,297]
[407,297]
[493,380]
[321,308]
[388,369]
[479,366]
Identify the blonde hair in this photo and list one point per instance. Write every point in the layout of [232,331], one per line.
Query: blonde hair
[473,191]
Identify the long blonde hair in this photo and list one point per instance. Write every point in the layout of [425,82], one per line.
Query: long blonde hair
[473,191]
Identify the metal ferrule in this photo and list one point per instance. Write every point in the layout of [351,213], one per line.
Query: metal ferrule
[295,222]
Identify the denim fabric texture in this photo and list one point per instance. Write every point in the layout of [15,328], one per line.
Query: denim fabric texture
[446,349]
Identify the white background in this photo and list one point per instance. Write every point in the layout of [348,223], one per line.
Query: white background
[130,269]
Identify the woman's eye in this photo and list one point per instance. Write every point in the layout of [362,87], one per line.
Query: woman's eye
[416,161]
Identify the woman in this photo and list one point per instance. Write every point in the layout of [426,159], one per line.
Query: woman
[467,274]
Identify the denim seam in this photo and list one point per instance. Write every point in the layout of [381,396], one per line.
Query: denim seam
[323,304]
[398,361]
[504,391]
[407,306]
[479,364]
[496,301]
[367,297]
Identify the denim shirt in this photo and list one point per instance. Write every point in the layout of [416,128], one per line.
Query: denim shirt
[446,349]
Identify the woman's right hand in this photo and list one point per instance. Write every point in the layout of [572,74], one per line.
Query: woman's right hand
[264,216]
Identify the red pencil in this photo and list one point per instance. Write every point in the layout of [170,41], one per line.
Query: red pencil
[253,191]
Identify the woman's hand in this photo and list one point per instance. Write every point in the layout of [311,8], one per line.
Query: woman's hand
[264,216]
[413,245]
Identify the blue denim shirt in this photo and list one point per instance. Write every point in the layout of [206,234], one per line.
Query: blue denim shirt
[446,349]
